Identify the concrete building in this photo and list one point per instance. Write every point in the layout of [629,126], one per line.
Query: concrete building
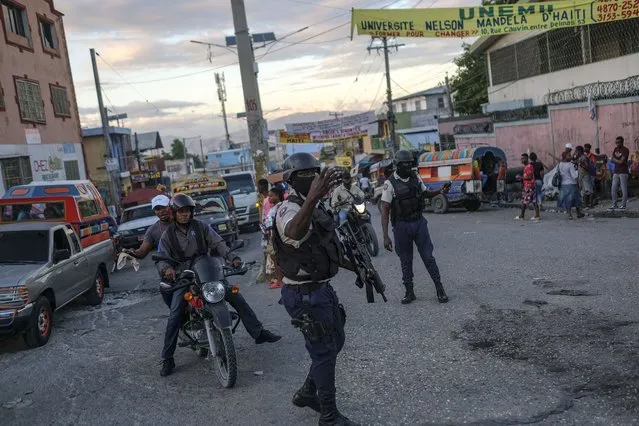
[230,161]
[136,169]
[40,136]
[567,85]
[433,101]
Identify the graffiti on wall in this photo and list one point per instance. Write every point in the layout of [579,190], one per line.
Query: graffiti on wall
[49,169]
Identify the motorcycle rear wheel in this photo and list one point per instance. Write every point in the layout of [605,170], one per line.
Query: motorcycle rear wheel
[225,360]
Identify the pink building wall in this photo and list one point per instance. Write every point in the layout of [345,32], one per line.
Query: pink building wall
[566,125]
[29,58]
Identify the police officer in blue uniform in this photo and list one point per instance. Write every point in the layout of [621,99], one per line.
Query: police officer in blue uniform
[308,254]
[403,199]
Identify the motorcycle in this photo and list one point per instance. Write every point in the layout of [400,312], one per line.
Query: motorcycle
[360,220]
[357,254]
[208,324]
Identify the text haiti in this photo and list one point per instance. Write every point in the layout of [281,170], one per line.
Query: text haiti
[499,21]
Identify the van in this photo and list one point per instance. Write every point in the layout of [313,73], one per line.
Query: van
[241,186]
[77,202]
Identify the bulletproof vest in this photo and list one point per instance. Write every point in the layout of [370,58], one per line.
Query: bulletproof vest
[194,225]
[409,202]
[318,256]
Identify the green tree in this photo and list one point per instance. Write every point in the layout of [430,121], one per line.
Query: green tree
[470,84]
[197,161]
[177,149]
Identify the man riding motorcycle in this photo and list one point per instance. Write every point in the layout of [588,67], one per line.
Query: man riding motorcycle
[343,197]
[182,240]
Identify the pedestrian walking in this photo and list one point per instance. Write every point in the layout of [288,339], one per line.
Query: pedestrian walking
[569,196]
[539,177]
[529,192]
[403,201]
[620,157]
[308,253]
[585,170]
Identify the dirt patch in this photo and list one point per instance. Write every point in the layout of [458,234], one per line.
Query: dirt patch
[571,292]
[596,353]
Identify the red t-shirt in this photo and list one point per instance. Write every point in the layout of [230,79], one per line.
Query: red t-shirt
[529,176]
[618,153]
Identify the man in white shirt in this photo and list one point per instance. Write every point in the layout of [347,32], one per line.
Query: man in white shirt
[343,197]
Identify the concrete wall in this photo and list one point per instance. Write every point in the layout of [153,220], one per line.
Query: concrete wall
[566,124]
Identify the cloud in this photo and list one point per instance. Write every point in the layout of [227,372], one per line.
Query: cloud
[148,46]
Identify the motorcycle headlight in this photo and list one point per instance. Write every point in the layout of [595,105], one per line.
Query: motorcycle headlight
[125,232]
[361,208]
[213,292]
[222,227]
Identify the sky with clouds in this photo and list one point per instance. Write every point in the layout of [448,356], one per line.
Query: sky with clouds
[150,69]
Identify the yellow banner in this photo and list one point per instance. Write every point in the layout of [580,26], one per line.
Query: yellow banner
[294,137]
[489,20]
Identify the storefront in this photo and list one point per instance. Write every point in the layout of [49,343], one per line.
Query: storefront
[22,164]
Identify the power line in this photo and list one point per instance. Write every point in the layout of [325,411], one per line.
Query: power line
[377,94]
[397,84]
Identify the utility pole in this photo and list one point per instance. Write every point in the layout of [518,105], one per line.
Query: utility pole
[252,103]
[450,99]
[113,188]
[186,158]
[389,93]
[221,95]
[202,152]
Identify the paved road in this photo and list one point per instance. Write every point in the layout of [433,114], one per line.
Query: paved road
[541,328]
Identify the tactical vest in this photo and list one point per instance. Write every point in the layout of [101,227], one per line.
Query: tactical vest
[408,203]
[194,225]
[318,256]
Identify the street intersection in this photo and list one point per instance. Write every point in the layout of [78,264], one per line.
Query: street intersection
[541,328]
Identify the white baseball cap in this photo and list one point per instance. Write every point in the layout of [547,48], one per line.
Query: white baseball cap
[160,200]
[569,145]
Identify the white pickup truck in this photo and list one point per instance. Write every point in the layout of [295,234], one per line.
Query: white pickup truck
[43,267]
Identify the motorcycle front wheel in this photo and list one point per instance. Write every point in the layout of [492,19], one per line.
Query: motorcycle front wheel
[372,244]
[225,360]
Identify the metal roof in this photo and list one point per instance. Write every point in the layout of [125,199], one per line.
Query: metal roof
[438,90]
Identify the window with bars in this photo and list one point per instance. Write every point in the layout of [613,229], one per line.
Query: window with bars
[564,48]
[16,171]
[60,100]
[15,18]
[30,101]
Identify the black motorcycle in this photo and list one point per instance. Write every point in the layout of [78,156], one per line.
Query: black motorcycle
[357,254]
[360,220]
[208,324]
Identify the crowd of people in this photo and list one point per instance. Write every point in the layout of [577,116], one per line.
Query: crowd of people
[581,176]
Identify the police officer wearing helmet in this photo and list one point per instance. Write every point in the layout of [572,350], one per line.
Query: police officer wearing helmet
[403,199]
[308,254]
[183,239]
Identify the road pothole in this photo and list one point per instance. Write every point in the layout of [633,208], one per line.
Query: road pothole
[596,353]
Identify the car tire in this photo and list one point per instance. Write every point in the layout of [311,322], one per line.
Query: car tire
[40,324]
[440,204]
[95,294]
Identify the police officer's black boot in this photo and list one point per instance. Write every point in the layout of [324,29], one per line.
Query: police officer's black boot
[306,396]
[331,415]
[441,294]
[409,296]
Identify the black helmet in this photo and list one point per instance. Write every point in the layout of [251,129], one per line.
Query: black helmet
[182,200]
[299,161]
[346,175]
[403,156]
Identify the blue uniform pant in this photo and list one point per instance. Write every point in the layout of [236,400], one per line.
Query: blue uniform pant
[342,216]
[177,305]
[416,232]
[322,306]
